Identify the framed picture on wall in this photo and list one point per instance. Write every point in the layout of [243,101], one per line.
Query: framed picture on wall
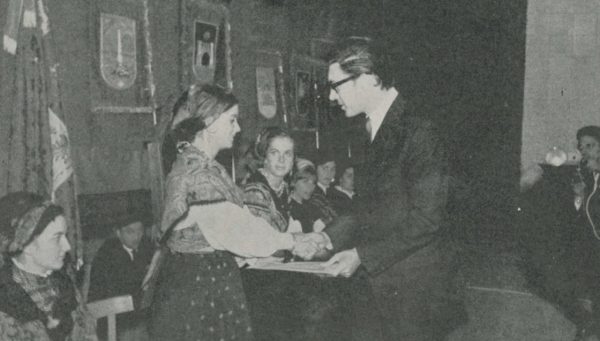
[205,44]
[309,78]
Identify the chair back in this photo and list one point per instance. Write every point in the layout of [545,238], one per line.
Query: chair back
[109,308]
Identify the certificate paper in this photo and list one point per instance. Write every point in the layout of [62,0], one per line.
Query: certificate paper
[306,267]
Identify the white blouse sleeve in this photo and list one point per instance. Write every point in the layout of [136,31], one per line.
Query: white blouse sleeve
[229,227]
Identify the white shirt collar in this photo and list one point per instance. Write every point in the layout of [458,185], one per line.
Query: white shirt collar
[323,187]
[348,193]
[376,116]
[129,250]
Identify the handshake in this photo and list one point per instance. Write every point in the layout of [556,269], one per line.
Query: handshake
[310,245]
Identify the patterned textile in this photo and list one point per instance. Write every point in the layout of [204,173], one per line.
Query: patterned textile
[27,302]
[195,178]
[25,227]
[43,291]
[263,202]
[200,297]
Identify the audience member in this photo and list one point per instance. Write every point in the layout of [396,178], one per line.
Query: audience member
[342,195]
[119,268]
[38,300]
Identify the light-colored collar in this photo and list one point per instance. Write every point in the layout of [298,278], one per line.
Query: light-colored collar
[322,187]
[377,116]
[128,249]
[24,268]
[348,193]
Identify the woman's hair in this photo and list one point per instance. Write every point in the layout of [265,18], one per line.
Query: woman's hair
[15,206]
[592,131]
[303,173]
[264,139]
[194,110]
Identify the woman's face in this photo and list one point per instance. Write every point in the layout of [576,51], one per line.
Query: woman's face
[279,157]
[223,130]
[304,187]
[326,173]
[347,179]
[590,152]
[47,251]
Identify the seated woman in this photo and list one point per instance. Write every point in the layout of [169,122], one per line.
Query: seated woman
[38,300]
[199,292]
[303,185]
[342,196]
[286,306]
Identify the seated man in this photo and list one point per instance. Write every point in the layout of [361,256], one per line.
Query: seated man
[119,268]
[342,196]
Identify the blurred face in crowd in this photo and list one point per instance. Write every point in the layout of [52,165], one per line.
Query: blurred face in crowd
[279,158]
[47,251]
[131,235]
[305,186]
[222,131]
[326,173]
[590,152]
[347,179]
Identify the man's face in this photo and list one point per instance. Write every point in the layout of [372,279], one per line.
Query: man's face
[326,173]
[131,235]
[345,94]
[590,152]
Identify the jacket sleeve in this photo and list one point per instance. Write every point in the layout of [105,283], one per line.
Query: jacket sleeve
[417,224]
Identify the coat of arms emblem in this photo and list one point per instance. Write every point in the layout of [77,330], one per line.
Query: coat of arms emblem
[118,59]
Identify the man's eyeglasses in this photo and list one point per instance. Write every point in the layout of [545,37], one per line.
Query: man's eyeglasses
[334,85]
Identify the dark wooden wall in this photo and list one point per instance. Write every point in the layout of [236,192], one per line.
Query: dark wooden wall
[460,62]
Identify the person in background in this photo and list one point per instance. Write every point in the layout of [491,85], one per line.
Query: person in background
[325,169]
[303,184]
[199,292]
[38,300]
[119,268]
[342,195]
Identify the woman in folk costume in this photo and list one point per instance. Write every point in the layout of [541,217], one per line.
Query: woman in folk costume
[38,300]
[199,291]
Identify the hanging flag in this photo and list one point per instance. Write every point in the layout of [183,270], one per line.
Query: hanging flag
[62,165]
[266,91]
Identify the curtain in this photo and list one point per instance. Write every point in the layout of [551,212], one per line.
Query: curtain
[38,157]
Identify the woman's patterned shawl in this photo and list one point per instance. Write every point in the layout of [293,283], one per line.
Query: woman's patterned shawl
[263,202]
[195,178]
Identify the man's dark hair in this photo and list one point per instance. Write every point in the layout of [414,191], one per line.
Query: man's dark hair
[358,56]
[591,131]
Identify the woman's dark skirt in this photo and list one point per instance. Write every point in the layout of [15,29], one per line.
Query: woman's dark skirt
[200,297]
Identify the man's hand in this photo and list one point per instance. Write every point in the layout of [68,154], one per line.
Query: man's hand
[309,245]
[344,263]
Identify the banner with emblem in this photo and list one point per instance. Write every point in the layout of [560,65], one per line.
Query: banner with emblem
[205,43]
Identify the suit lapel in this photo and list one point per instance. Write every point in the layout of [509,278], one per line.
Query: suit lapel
[389,140]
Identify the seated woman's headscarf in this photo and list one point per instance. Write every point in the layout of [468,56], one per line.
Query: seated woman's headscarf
[23,216]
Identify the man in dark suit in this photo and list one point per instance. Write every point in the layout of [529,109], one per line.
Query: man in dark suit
[119,268]
[402,204]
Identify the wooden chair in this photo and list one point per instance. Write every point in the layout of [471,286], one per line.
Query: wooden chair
[109,308]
